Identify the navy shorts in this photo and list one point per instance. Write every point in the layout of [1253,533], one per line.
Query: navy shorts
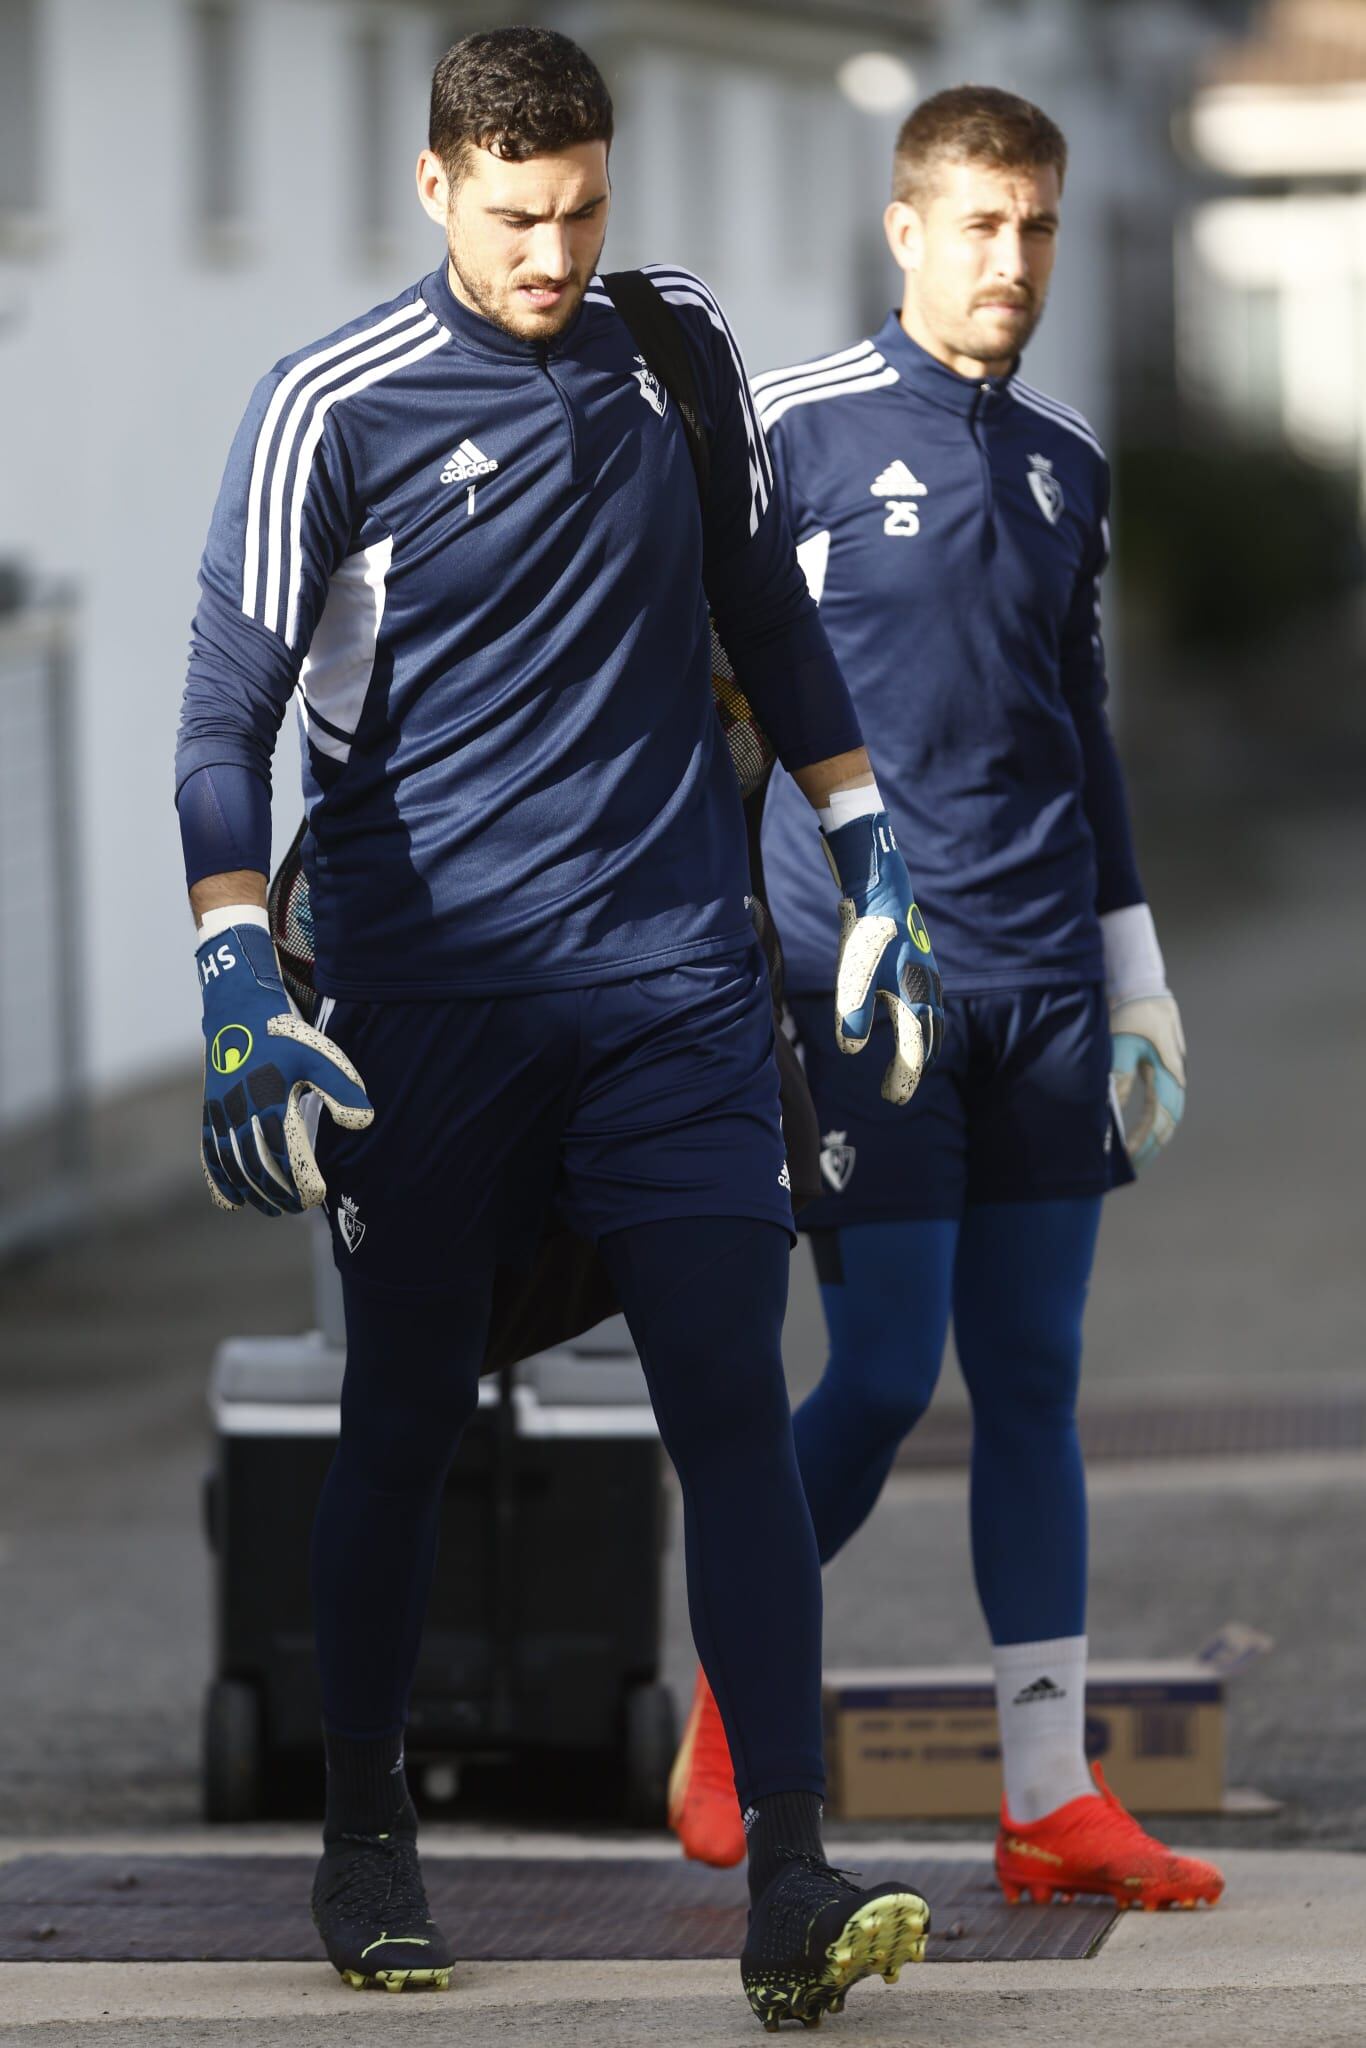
[1018,1107]
[624,1103]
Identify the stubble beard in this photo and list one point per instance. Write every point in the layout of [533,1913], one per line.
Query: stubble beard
[499,307]
[1017,340]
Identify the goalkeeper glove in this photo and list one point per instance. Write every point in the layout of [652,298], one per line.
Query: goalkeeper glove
[1148,1051]
[259,1060]
[885,954]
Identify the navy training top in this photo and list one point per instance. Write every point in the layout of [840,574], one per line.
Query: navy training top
[479,567]
[955,533]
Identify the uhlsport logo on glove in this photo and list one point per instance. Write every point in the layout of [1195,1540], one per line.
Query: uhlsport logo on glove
[231,1048]
[256,1145]
[915,925]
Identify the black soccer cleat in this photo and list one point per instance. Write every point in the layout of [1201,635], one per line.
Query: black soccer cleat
[370,1908]
[814,1933]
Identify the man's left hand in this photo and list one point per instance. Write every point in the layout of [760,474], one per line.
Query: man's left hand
[1148,1060]
[1148,1056]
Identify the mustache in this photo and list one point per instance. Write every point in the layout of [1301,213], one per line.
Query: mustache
[1021,301]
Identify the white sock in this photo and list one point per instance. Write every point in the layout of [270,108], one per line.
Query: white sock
[1041,1707]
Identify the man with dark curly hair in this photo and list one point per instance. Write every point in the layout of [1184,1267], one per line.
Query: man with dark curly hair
[464,536]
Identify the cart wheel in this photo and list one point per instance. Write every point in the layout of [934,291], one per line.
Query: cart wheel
[651,1740]
[234,1752]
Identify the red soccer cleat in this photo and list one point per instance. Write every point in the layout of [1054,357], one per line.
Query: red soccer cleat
[704,1810]
[1096,1845]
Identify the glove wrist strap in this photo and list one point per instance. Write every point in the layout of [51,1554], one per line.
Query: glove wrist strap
[226,916]
[1133,958]
[847,804]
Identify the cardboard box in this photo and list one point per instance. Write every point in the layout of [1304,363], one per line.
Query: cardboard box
[923,1745]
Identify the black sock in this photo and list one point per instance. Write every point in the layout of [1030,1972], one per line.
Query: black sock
[784,1824]
[367,1793]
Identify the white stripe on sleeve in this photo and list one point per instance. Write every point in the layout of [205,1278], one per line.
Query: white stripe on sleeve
[296,435]
[873,380]
[681,288]
[308,448]
[769,378]
[265,437]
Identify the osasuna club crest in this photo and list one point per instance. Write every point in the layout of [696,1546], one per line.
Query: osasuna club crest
[837,1159]
[1046,488]
[651,390]
[349,1223]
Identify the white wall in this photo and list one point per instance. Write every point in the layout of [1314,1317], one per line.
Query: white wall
[127,353]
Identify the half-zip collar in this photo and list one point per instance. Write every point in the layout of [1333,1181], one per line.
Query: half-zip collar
[930,379]
[480,335]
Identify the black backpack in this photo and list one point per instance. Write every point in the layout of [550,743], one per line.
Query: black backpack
[565,1290]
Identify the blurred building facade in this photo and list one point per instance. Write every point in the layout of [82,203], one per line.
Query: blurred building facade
[191,188]
[1273,328]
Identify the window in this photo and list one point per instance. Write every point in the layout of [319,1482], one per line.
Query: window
[699,143]
[18,103]
[369,139]
[217,97]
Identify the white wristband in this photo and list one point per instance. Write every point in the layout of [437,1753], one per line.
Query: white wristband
[847,804]
[221,920]
[1133,958]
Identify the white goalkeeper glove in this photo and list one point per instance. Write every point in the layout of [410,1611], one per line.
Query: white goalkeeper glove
[1148,1055]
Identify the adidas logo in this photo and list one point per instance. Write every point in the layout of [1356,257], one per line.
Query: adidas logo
[467,463]
[898,481]
[1042,1689]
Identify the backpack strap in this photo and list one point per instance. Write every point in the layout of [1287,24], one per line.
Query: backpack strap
[658,334]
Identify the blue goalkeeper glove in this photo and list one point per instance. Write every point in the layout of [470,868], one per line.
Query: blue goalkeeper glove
[885,955]
[259,1060]
[1148,1050]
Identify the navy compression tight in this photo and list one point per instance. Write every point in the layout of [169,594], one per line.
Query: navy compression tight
[704,1297]
[1013,1279]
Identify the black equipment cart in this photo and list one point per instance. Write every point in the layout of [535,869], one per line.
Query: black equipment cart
[543,1630]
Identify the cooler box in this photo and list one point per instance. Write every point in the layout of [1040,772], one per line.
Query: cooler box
[543,1628]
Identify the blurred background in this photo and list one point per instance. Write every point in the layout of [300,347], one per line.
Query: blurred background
[191,188]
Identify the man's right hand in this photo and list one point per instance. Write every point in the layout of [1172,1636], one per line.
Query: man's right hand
[259,1060]
[885,955]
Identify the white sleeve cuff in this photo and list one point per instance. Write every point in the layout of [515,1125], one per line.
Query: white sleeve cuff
[1133,958]
[229,914]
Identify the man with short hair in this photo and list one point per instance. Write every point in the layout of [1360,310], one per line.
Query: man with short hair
[464,535]
[953,524]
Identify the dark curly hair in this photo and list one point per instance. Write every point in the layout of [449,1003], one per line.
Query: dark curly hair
[519,92]
[973,124]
